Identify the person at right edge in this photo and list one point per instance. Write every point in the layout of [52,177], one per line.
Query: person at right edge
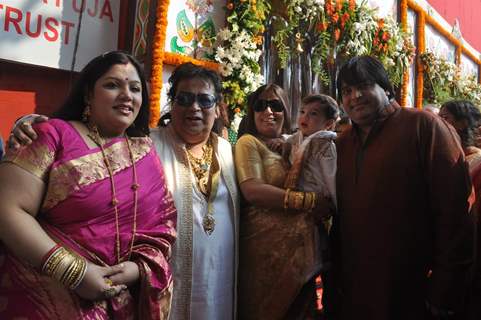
[403,238]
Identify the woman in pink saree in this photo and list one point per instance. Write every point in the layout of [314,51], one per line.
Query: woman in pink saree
[100,244]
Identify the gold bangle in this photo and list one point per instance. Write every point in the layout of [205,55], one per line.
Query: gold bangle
[66,267]
[307,201]
[286,199]
[54,260]
[314,201]
[298,200]
[295,200]
[311,203]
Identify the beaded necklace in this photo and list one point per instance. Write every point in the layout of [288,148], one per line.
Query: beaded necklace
[99,141]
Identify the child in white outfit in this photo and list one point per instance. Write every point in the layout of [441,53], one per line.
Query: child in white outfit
[312,155]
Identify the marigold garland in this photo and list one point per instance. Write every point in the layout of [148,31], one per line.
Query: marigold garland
[157,61]
[420,67]
[176,59]
[160,57]
[423,18]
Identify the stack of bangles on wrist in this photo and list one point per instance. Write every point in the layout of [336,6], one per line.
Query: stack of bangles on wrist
[64,266]
[299,200]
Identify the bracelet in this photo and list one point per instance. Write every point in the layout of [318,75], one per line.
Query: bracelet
[64,266]
[48,254]
[310,204]
[299,200]
[286,199]
[296,200]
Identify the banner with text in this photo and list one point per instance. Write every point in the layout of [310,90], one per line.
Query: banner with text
[44,32]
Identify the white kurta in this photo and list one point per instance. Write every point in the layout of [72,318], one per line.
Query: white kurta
[204,267]
[213,279]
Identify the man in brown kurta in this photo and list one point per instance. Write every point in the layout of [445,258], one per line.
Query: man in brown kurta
[403,190]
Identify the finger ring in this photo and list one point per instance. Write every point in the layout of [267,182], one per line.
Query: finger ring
[110,292]
[108,282]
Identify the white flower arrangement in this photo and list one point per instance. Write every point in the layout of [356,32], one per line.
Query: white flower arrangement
[236,54]
[362,32]
[443,81]
[200,7]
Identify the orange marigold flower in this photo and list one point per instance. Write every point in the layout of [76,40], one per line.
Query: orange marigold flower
[344,19]
[339,5]
[237,110]
[337,34]
[329,7]
[335,18]
[352,5]
[380,23]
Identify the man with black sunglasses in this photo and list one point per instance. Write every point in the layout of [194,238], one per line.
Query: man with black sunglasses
[200,173]
[403,234]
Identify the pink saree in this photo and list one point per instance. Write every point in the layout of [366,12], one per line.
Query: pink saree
[78,214]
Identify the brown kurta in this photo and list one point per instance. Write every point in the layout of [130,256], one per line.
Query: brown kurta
[403,210]
[277,250]
[473,157]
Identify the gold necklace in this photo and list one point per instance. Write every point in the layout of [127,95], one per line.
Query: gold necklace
[99,141]
[207,172]
[201,168]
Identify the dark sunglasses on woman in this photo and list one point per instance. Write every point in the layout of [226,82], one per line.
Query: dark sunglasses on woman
[204,100]
[275,105]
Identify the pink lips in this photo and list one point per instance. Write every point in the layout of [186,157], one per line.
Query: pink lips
[125,110]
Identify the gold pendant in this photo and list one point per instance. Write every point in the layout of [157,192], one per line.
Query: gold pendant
[208,223]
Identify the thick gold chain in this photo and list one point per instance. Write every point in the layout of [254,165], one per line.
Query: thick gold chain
[201,167]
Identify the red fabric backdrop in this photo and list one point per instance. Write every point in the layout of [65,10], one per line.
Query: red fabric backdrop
[467,12]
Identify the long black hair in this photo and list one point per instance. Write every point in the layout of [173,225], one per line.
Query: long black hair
[74,106]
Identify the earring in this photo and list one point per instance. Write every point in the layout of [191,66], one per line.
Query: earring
[86,114]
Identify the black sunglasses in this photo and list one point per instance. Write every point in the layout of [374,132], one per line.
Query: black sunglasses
[275,105]
[186,99]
